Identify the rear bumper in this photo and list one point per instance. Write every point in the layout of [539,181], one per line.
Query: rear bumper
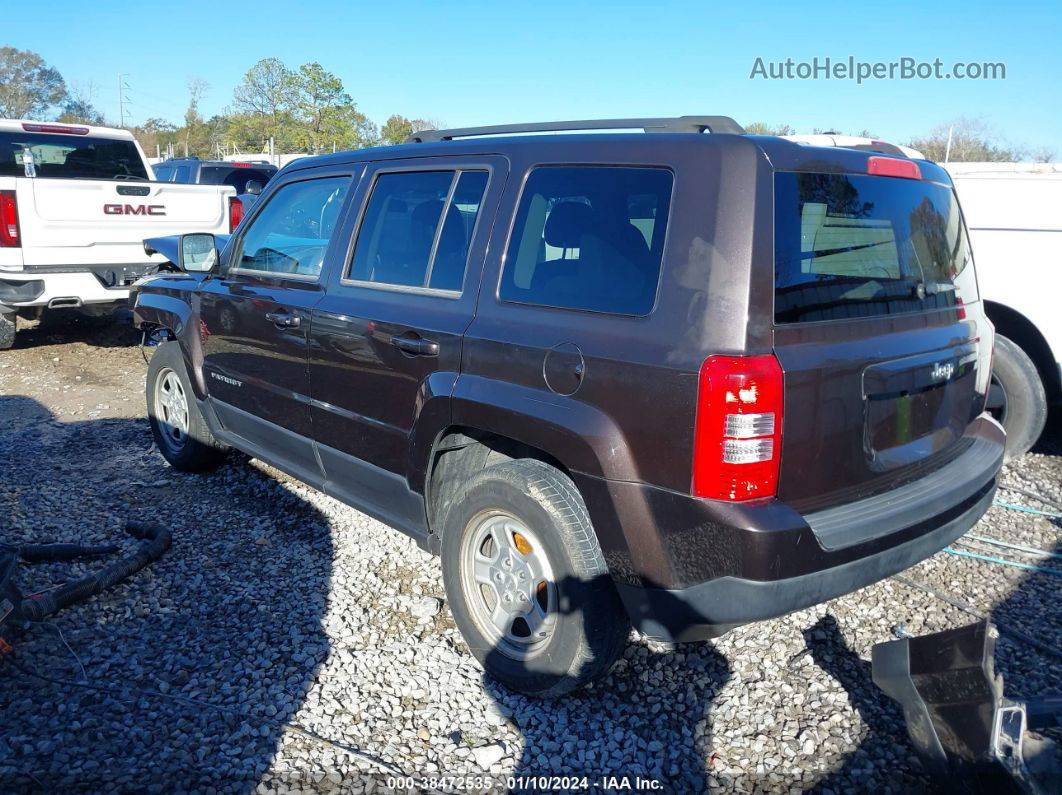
[776,561]
[69,287]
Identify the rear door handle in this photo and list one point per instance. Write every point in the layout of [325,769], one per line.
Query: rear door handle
[416,346]
[284,320]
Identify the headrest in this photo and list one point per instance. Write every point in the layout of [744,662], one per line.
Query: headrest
[567,223]
[423,220]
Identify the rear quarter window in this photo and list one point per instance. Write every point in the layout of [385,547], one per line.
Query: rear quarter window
[589,238]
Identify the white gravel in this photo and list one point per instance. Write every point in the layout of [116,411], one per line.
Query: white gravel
[287,642]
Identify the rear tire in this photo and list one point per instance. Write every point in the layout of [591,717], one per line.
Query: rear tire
[8,329]
[524,524]
[180,430]
[1017,398]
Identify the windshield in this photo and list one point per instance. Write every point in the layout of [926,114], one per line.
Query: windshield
[851,246]
[68,157]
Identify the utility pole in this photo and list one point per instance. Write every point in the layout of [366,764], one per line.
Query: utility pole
[122,99]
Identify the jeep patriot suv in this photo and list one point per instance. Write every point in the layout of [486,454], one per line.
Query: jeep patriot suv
[680,376]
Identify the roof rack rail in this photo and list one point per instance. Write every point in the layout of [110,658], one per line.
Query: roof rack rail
[682,124]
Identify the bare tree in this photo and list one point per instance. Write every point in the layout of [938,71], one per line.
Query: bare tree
[972,140]
[195,132]
[79,106]
[1043,154]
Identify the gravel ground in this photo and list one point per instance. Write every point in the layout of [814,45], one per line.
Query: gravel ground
[287,642]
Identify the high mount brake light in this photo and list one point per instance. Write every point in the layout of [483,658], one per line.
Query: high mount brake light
[738,436]
[235,213]
[9,231]
[55,128]
[893,167]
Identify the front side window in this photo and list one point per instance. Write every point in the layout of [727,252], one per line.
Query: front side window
[417,229]
[589,238]
[291,233]
[850,246]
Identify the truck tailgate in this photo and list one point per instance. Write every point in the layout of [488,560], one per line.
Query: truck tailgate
[67,223]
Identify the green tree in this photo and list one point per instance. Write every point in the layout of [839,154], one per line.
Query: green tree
[324,109]
[971,141]
[267,94]
[28,86]
[398,128]
[762,128]
[155,134]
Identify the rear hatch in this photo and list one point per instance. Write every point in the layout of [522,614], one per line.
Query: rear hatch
[884,348]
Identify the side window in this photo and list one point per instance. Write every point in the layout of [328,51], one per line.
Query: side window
[182,174]
[291,233]
[162,173]
[589,238]
[417,229]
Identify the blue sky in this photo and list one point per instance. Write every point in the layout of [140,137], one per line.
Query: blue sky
[468,63]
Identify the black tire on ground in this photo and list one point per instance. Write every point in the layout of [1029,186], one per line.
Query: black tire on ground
[1017,398]
[8,327]
[191,448]
[590,626]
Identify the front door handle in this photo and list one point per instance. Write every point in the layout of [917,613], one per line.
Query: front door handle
[284,320]
[416,346]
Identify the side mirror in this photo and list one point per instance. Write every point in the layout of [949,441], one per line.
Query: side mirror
[253,186]
[199,253]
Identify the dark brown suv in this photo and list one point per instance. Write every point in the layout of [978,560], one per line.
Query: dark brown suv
[684,376]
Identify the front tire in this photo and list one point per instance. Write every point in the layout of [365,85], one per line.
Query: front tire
[1016,397]
[527,583]
[180,430]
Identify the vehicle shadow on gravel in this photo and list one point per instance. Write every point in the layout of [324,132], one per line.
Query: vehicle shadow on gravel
[183,677]
[63,326]
[654,712]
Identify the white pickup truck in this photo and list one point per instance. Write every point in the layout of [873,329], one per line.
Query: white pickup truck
[76,203]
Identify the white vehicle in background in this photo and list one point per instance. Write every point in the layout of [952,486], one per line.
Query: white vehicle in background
[1014,216]
[76,203]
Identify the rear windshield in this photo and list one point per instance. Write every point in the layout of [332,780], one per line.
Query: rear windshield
[68,157]
[859,246]
[237,177]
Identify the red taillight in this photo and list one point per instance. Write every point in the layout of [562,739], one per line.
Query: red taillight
[235,213]
[738,437]
[893,167]
[243,165]
[55,128]
[9,233]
